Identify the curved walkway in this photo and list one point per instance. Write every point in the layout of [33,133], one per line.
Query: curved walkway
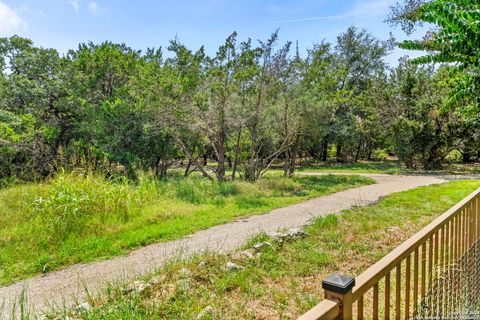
[59,288]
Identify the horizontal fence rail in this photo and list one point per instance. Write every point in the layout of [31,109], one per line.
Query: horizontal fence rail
[433,275]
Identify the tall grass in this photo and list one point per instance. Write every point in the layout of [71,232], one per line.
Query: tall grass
[71,201]
[76,217]
[283,282]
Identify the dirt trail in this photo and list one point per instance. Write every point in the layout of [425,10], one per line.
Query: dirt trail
[58,288]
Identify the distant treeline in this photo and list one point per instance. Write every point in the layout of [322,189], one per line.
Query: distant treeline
[107,106]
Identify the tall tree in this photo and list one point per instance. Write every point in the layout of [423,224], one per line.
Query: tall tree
[455,39]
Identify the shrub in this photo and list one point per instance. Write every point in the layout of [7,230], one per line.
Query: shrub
[454,156]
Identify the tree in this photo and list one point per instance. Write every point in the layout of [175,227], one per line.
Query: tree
[264,148]
[35,88]
[358,58]
[422,135]
[455,40]
[215,114]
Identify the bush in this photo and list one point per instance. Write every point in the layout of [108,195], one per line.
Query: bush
[380,154]
[454,156]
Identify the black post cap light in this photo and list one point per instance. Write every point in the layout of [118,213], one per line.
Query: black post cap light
[338,283]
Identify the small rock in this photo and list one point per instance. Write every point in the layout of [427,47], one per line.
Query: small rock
[274,235]
[83,307]
[205,312]
[233,267]
[296,233]
[202,264]
[155,280]
[288,235]
[261,245]
[244,255]
[140,286]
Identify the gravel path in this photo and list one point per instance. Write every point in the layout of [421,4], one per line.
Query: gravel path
[58,288]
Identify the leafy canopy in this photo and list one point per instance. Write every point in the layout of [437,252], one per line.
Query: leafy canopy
[455,40]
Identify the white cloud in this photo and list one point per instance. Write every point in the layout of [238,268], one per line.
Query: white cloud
[370,8]
[10,21]
[75,5]
[93,7]
[362,9]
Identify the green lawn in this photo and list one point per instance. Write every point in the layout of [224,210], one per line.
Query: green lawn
[74,218]
[285,280]
[388,167]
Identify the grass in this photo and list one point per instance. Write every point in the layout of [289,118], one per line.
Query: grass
[285,280]
[388,167]
[76,218]
[385,167]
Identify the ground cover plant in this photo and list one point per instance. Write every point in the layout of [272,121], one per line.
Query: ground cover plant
[284,281]
[75,217]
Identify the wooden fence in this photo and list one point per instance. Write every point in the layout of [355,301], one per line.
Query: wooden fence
[433,275]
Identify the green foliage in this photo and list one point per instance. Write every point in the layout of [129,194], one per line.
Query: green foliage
[75,217]
[110,109]
[191,191]
[422,135]
[280,279]
[455,40]
[71,201]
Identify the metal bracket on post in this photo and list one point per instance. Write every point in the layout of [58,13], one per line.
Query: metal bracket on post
[339,288]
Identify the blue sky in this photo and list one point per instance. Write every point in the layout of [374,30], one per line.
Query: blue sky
[62,24]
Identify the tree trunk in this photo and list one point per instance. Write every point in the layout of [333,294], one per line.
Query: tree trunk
[237,152]
[157,164]
[189,163]
[191,158]
[296,148]
[161,169]
[339,153]
[221,157]
[357,154]
[325,149]
[187,168]
[286,165]
[466,157]
[252,167]
[205,158]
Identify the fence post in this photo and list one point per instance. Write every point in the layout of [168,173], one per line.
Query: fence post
[339,288]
